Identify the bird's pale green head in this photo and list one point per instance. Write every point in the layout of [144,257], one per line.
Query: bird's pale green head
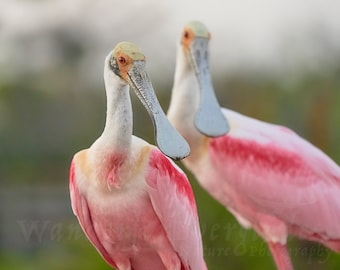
[198,28]
[123,56]
[193,30]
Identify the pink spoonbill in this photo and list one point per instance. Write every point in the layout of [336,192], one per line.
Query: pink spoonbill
[267,176]
[134,204]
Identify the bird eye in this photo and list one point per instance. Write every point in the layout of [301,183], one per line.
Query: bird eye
[186,34]
[121,60]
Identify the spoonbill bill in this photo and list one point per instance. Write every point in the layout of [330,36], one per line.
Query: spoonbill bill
[134,204]
[267,176]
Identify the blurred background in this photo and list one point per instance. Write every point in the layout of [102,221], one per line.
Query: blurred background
[278,61]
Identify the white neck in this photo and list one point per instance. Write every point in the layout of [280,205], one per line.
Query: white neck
[184,99]
[116,137]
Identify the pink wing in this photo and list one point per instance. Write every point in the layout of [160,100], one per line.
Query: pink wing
[81,210]
[279,173]
[173,200]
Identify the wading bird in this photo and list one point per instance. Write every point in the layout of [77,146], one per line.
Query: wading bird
[134,204]
[267,176]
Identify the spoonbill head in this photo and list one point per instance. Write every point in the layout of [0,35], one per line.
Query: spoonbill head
[128,63]
[193,53]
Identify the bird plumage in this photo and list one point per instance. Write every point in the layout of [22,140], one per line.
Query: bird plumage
[267,176]
[270,170]
[134,204]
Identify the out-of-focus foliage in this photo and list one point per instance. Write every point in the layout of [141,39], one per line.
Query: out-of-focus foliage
[52,104]
[45,119]
[47,115]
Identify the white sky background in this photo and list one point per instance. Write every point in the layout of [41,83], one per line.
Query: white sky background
[268,35]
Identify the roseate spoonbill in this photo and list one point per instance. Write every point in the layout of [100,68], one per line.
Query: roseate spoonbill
[267,176]
[135,205]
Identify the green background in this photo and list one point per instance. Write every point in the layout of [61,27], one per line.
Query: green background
[42,130]
[49,114]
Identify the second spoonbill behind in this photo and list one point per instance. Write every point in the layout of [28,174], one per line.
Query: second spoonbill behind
[268,177]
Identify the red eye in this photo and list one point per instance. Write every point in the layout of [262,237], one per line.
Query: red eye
[186,34]
[121,60]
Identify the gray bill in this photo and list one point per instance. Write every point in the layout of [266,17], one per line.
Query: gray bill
[169,141]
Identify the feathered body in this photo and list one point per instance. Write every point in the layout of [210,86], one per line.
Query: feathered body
[134,204]
[268,177]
